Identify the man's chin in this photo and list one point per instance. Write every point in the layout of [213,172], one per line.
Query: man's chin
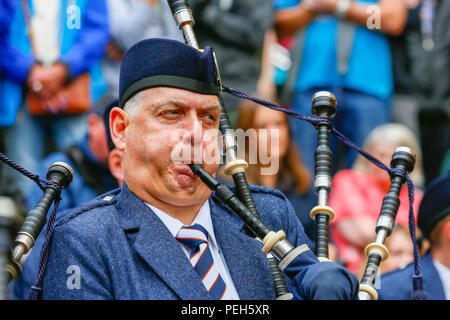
[189,196]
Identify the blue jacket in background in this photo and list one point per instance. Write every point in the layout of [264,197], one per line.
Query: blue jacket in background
[398,284]
[7,8]
[121,250]
[81,50]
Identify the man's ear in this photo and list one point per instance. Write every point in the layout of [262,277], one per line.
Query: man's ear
[115,164]
[118,122]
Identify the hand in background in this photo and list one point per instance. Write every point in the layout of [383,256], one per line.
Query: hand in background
[320,6]
[56,103]
[46,81]
[34,76]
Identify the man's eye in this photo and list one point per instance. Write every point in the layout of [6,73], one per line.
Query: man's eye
[170,113]
[210,117]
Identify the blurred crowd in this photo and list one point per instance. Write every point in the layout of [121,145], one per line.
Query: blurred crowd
[387,65]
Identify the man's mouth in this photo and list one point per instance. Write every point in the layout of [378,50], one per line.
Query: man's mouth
[184,169]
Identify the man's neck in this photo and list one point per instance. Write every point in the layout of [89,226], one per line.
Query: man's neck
[184,214]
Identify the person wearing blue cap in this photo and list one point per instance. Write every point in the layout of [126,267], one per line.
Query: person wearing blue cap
[163,235]
[434,222]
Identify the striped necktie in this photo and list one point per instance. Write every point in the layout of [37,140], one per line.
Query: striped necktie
[196,238]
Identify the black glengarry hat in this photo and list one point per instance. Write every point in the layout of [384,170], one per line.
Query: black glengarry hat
[435,204]
[159,62]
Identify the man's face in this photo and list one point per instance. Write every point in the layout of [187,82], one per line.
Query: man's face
[98,142]
[170,128]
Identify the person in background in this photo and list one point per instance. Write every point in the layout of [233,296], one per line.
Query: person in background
[115,156]
[48,44]
[90,161]
[238,31]
[7,8]
[434,222]
[400,250]
[429,56]
[405,104]
[288,173]
[339,46]
[422,80]
[129,22]
[356,194]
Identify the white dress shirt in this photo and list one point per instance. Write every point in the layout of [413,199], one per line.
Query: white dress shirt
[204,219]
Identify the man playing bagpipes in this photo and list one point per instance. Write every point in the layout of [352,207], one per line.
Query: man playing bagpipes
[164,235]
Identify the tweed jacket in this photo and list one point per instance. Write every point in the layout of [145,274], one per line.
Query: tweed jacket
[115,247]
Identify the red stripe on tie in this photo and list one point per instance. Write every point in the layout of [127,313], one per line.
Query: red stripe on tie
[193,239]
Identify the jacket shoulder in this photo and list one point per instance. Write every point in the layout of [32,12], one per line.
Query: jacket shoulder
[266,199]
[266,191]
[92,213]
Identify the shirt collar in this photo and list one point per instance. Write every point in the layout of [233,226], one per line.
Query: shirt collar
[174,225]
[441,268]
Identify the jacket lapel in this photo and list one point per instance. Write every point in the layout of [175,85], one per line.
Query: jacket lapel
[432,282]
[159,249]
[247,264]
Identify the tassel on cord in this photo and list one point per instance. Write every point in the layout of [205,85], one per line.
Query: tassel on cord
[418,292]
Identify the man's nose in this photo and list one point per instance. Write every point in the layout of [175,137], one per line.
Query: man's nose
[194,134]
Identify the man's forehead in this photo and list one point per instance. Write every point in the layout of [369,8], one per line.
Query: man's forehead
[184,98]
